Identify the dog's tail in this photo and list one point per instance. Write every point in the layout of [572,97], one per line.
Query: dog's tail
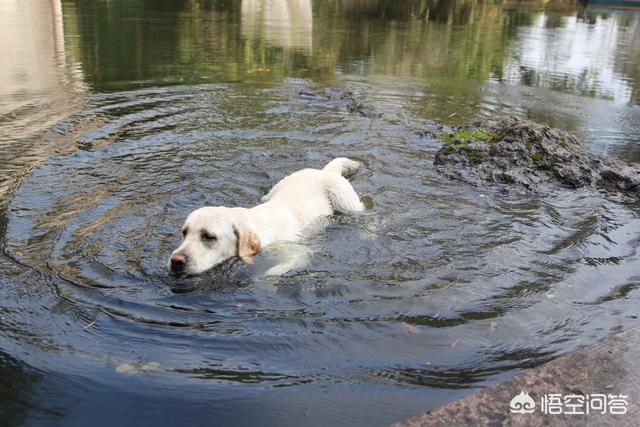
[342,166]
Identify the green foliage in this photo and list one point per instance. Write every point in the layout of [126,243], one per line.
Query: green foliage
[470,135]
[536,157]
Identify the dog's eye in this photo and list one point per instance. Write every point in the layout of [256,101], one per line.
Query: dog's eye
[208,236]
[184,233]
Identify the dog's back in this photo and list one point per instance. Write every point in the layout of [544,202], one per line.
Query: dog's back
[310,193]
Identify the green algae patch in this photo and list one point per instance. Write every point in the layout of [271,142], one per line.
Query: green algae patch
[469,135]
[536,157]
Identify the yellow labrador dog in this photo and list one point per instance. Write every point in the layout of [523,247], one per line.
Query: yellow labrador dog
[212,235]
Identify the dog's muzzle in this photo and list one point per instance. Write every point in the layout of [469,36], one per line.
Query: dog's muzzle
[178,263]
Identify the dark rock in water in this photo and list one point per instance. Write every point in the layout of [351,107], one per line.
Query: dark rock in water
[529,156]
[342,95]
[334,93]
[363,110]
[307,94]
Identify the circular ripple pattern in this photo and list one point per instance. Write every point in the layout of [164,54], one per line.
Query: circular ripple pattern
[439,285]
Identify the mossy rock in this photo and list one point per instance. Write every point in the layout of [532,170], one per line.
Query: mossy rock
[529,156]
[468,135]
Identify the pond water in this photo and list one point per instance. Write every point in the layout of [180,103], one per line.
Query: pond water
[120,117]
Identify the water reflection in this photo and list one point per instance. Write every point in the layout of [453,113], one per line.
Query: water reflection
[40,86]
[552,44]
[15,381]
[570,54]
[453,60]
[30,69]
[286,23]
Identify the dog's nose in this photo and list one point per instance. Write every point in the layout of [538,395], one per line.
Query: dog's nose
[178,262]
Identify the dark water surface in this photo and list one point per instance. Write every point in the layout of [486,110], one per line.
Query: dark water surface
[117,118]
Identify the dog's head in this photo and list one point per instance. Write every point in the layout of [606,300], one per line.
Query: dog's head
[210,236]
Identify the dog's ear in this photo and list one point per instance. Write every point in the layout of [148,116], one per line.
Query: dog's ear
[248,242]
